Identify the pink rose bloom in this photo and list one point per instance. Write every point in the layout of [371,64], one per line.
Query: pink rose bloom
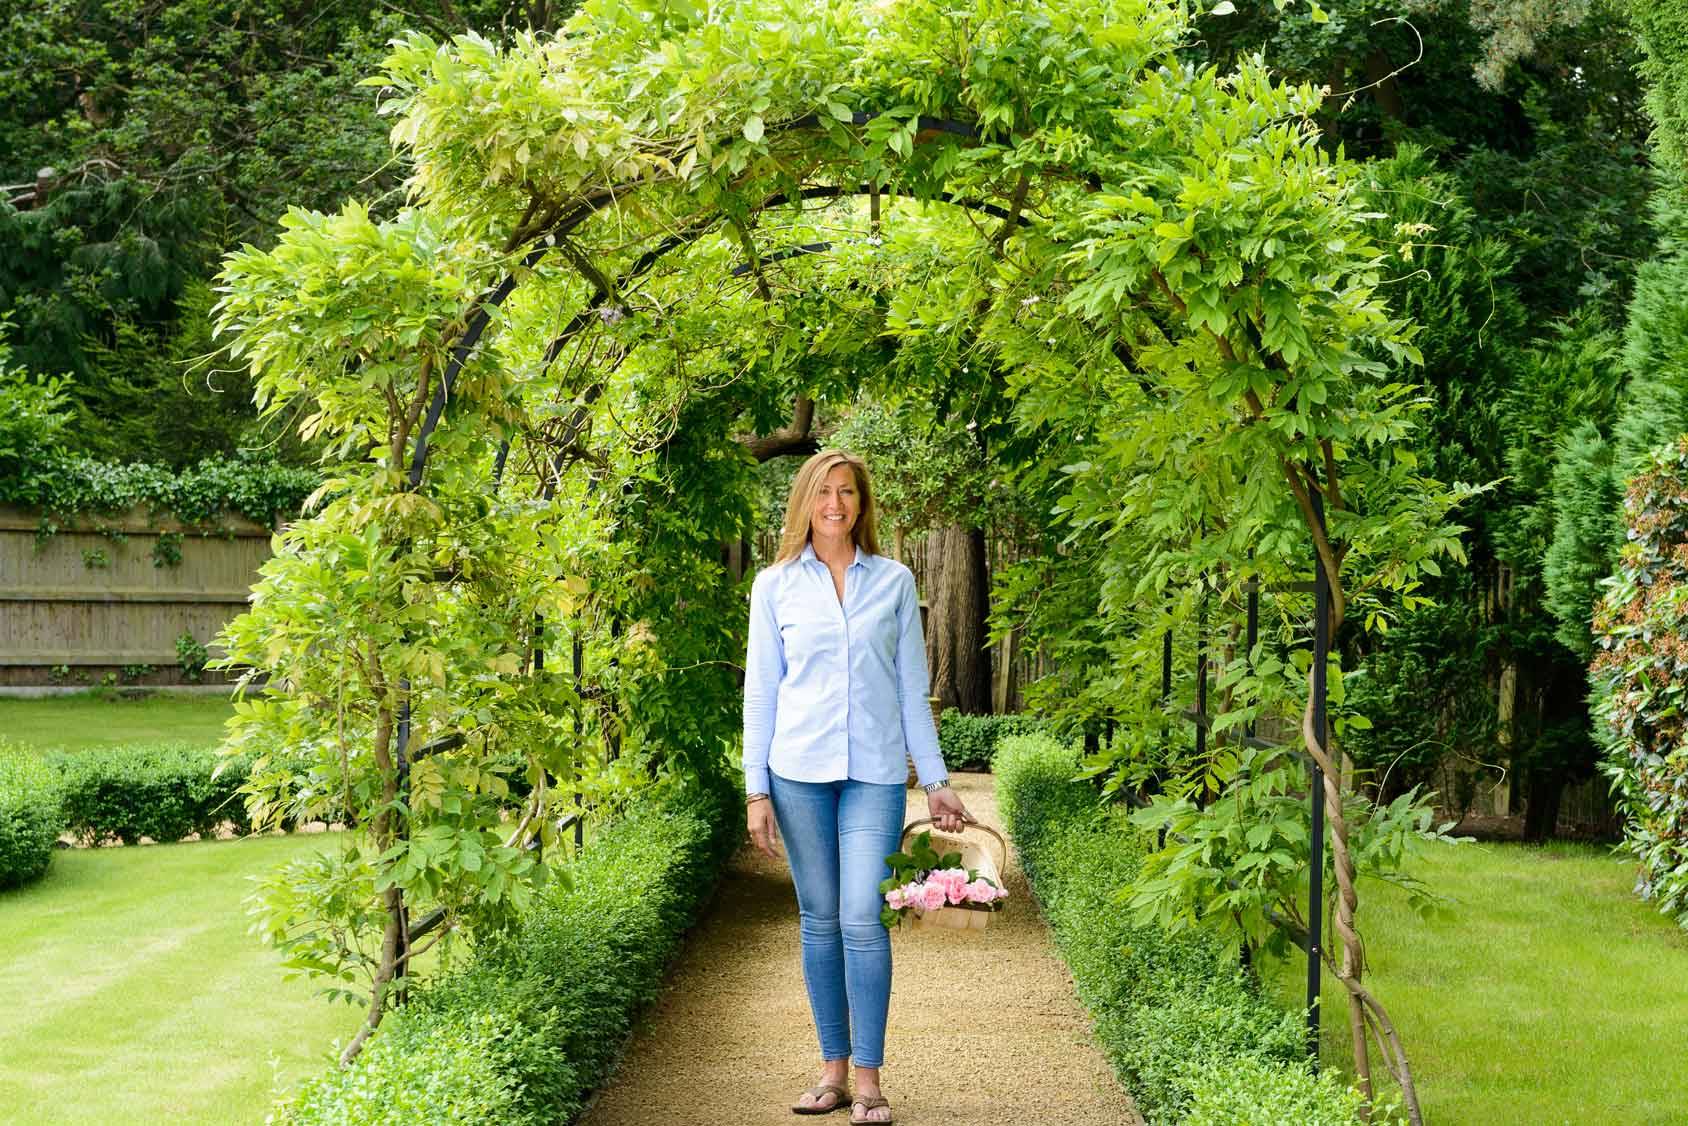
[981,891]
[894,899]
[932,896]
[954,883]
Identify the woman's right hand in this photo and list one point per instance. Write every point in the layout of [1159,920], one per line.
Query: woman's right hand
[759,819]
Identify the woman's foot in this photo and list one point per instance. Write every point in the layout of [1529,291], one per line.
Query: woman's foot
[830,1093]
[869,1108]
[868,1105]
[823,1098]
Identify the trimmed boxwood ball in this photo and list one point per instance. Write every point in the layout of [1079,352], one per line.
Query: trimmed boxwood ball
[1189,1034]
[31,816]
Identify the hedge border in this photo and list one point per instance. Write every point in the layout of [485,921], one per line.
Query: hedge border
[31,817]
[968,742]
[1187,1032]
[540,1016]
[162,791]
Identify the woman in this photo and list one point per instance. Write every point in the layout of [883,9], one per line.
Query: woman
[835,696]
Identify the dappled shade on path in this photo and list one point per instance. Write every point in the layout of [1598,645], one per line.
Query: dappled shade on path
[984,1025]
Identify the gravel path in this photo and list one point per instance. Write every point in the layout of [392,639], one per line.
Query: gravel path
[984,1026]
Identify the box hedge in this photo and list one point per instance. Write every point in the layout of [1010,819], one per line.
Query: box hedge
[1188,1033]
[967,742]
[537,1019]
[31,816]
[163,792]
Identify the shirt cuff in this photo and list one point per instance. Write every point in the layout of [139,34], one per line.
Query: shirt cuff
[756,780]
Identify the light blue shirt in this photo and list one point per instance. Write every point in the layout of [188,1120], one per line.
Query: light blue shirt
[835,691]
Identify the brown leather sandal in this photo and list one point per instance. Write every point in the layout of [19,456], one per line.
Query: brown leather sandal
[867,1103]
[840,1099]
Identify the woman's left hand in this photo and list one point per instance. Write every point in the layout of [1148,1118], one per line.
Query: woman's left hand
[948,814]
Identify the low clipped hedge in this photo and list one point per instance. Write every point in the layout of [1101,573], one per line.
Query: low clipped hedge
[163,792]
[537,1019]
[1189,1034]
[31,817]
[967,742]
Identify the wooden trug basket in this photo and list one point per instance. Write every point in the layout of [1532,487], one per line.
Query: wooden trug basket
[975,856]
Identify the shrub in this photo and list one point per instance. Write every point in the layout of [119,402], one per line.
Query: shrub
[1183,1026]
[1249,1090]
[534,1023]
[31,816]
[1640,673]
[163,792]
[968,741]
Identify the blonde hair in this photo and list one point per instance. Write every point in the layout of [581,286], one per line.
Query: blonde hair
[801,505]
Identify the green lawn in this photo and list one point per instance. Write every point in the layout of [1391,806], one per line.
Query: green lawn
[97,719]
[1551,996]
[131,992]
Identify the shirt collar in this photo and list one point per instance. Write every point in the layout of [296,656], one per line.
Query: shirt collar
[809,555]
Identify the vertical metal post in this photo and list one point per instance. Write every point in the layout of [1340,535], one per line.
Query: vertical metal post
[1316,876]
[1166,723]
[538,669]
[579,662]
[1201,678]
[612,704]
[1253,634]
[402,759]
[1166,666]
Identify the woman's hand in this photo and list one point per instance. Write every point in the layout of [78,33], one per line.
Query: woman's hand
[759,819]
[947,811]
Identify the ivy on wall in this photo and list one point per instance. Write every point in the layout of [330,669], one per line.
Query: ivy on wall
[64,487]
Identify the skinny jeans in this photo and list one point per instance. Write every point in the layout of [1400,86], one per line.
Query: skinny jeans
[837,836]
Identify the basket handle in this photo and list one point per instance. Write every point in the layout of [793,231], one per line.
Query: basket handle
[971,823]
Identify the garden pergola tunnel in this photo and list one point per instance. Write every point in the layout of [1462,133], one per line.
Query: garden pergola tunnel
[1010,214]
[1174,274]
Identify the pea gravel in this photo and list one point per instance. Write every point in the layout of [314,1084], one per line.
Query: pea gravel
[984,1026]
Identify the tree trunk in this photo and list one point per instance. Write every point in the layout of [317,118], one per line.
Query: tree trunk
[956,629]
[1546,792]
[1506,699]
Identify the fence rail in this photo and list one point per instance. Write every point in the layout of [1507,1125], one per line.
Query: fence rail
[108,596]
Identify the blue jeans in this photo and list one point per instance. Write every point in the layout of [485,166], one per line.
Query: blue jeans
[837,836]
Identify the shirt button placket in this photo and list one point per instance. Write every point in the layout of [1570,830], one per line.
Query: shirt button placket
[844,629]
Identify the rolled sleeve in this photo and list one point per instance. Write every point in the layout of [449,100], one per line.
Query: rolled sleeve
[914,684]
[764,666]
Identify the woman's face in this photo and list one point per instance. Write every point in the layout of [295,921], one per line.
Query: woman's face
[836,506]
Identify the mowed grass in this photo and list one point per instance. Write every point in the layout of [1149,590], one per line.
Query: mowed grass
[87,720]
[1552,995]
[130,991]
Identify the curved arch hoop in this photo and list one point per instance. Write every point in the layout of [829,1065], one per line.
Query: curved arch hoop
[589,206]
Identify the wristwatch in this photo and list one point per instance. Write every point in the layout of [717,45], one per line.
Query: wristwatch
[934,787]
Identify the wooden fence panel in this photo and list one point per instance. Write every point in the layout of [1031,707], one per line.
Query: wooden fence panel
[101,595]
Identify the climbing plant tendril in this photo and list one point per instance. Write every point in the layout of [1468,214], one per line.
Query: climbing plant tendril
[1164,274]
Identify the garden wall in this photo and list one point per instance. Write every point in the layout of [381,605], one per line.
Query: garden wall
[105,599]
